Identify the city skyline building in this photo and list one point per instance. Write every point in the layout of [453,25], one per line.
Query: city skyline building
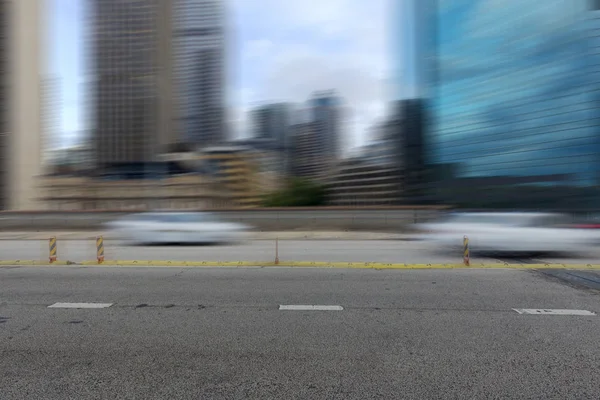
[515,105]
[315,136]
[272,122]
[22,65]
[201,73]
[132,66]
[413,52]
[52,104]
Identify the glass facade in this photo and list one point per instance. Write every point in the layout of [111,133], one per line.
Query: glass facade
[514,103]
[199,68]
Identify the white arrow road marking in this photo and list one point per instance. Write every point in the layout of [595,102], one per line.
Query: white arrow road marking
[545,311]
[80,305]
[294,307]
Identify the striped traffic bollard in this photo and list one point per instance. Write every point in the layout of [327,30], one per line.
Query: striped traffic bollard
[466,255]
[100,249]
[53,250]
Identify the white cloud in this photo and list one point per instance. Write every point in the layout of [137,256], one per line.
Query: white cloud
[310,45]
[256,49]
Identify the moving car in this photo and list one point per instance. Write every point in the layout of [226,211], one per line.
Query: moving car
[177,227]
[514,233]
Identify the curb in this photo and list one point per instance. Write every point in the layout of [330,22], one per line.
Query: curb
[306,264]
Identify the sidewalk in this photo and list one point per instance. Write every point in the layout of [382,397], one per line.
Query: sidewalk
[293,235]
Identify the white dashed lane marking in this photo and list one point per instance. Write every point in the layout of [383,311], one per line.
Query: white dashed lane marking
[545,311]
[297,307]
[80,305]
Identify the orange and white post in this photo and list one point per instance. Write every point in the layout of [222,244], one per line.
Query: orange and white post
[53,250]
[100,249]
[466,253]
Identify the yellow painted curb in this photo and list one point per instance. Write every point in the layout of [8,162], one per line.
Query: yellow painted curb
[315,264]
[35,262]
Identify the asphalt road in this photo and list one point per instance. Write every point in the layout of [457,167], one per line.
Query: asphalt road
[384,251]
[218,333]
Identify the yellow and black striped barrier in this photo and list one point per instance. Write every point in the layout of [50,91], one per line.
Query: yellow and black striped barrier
[53,250]
[466,255]
[100,249]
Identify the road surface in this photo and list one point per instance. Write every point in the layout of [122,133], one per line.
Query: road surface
[379,251]
[218,333]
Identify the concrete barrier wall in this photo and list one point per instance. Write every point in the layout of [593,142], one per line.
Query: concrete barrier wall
[397,220]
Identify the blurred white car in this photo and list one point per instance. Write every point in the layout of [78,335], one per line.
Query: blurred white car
[510,233]
[177,227]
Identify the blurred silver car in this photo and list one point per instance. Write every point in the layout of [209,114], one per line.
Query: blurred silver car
[506,232]
[178,227]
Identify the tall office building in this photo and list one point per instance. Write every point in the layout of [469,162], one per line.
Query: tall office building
[199,28]
[413,48]
[315,136]
[22,62]
[414,74]
[51,114]
[272,122]
[516,104]
[326,114]
[131,55]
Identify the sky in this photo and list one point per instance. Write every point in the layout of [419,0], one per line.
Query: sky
[282,51]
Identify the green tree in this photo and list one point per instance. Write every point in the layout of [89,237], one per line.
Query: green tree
[297,193]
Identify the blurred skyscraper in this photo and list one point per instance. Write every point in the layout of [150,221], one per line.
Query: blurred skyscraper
[413,48]
[326,109]
[131,44]
[200,27]
[51,112]
[272,123]
[414,58]
[516,103]
[22,68]
[315,136]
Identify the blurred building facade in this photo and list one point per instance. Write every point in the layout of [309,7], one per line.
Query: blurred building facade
[132,69]
[327,117]
[22,119]
[272,123]
[180,192]
[51,112]
[307,158]
[315,136]
[200,70]
[357,182]
[514,104]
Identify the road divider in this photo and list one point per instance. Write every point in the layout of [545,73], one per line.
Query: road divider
[466,254]
[100,249]
[304,264]
[274,257]
[53,250]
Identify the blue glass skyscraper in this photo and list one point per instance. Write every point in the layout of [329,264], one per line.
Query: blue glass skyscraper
[514,103]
